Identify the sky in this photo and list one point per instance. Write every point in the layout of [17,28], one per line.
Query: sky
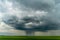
[29,15]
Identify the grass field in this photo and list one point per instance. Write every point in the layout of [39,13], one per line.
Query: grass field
[29,37]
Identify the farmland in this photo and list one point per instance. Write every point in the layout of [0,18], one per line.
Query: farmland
[29,37]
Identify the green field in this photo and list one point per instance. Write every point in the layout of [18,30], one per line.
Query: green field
[29,37]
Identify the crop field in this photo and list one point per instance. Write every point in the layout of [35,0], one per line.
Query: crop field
[29,38]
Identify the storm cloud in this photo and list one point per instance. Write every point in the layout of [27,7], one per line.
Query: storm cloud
[38,15]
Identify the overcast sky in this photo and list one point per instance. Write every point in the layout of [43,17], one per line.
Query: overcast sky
[48,9]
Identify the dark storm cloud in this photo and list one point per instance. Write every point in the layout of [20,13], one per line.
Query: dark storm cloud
[46,25]
[36,25]
[35,22]
[14,22]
